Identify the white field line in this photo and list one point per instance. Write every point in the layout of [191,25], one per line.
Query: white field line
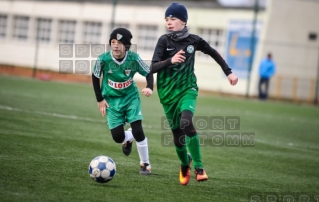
[49,114]
[56,115]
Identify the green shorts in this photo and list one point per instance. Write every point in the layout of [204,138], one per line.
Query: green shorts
[173,111]
[123,110]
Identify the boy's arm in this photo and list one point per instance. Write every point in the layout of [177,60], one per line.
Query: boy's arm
[96,75]
[150,81]
[157,63]
[149,88]
[97,88]
[144,70]
[207,49]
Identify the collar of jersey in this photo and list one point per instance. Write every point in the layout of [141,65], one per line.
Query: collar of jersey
[117,62]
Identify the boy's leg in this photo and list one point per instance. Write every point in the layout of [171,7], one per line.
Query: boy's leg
[134,117]
[180,146]
[188,106]
[172,116]
[192,139]
[116,121]
[186,159]
[141,141]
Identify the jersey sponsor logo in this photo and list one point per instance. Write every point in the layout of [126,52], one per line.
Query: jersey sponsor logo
[118,36]
[190,49]
[170,49]
[120,85]
[127,72]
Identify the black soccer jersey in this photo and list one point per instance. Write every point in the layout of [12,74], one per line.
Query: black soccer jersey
[175,79]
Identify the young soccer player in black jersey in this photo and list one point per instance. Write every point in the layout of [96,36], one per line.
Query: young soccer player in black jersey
[173,61]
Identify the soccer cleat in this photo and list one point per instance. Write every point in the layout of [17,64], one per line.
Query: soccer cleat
[145,169]
[185,173]
[200,174]
[127,146]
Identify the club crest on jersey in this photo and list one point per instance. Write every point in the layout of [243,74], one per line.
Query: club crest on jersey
[119,36]
[127,72]
[190,49]
[120,85]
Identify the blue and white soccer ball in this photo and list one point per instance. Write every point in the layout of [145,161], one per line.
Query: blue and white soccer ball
[102,169]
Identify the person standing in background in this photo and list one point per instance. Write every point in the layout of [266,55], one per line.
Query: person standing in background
[267,69]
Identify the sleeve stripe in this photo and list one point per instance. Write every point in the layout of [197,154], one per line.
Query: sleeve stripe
[97,69]
[142,64]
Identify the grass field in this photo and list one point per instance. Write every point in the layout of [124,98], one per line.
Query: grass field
[50,131]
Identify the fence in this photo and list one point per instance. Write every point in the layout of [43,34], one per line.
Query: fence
[293,88]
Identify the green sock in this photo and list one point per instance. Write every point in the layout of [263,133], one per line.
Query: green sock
[182,155]
[194,148]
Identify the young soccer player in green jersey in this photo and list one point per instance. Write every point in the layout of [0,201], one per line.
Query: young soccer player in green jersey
[173,61]
[118,97]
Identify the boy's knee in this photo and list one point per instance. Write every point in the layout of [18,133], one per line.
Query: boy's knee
[118,138]
[118,134]
[138,134]
[184,123]
[137,131]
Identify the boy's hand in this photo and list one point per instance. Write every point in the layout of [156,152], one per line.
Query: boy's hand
[178,57]
[147,92]
[233,79]
[102,107]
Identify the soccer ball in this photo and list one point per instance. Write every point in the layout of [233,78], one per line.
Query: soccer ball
[102,169]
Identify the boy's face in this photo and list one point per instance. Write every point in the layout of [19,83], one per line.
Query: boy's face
[174,24]
[118,49]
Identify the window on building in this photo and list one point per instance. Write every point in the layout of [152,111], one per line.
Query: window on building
[66,31]
[20,27]
[3,25]
[215,38]
[92,32]
[43,30]
[147,37]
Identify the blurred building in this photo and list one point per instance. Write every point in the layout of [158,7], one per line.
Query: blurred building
[34,34]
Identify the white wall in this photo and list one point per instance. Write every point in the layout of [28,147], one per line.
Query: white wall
[286,25]
[286,37]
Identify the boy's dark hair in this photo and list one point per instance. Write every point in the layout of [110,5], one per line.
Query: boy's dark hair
[123,35]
